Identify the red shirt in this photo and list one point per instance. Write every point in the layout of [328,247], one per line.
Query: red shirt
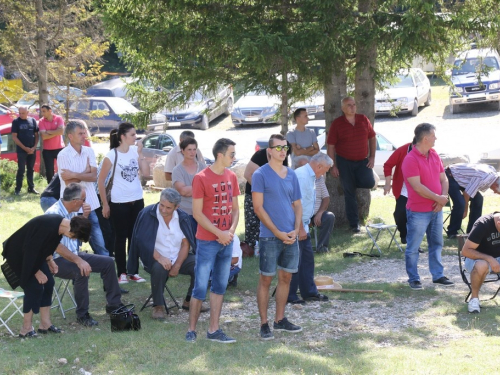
[396,160]
[429,169]
[351,142]
[217,192]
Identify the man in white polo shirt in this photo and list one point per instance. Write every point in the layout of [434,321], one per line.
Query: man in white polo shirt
[175,156]
[77,163]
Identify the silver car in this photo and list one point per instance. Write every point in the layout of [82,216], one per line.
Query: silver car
[256,108]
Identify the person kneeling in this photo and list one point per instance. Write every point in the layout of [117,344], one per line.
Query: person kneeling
[161,238]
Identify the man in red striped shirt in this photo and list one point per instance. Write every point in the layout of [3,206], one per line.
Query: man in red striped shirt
[351,145]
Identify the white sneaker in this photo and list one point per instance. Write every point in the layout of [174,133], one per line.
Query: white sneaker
[123,279]
[474,305]
[137,278]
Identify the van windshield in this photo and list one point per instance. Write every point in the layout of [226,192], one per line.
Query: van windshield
[474,65]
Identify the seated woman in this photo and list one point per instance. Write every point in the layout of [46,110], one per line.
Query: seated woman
[183,174]
[29,264]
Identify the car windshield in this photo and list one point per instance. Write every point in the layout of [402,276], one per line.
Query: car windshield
[122,106]
[474,65]
[402,81]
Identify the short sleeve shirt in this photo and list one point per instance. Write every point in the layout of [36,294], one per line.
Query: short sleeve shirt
[304,139]
[179,174]
[54,143]
[25,130]
[126,182]
[260,158]
[279,194]
[217,192]
[351,141]
[175,157]
[486,235]
[429,169]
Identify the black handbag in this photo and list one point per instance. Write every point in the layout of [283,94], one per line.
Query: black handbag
[124,319]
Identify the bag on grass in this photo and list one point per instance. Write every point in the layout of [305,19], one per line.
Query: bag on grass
[124,319]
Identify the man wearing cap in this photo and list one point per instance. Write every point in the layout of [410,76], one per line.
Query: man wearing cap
[466,182]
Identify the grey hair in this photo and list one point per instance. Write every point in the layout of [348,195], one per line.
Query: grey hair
[171,195]
[321,158]
[72,125]
[301,160]
[72,191]
[22,107]
[346,99]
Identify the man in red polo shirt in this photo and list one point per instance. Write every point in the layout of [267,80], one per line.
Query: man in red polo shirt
[51,129]
[427,186]
[351,145]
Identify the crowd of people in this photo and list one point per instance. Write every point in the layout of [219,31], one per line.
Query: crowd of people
[191,230]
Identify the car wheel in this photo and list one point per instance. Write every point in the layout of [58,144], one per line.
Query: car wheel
[204,122]
[453,109]
[229,106]
[429,99]
[414,111]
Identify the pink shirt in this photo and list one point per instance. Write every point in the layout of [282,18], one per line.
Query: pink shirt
[429,169]
[56,142]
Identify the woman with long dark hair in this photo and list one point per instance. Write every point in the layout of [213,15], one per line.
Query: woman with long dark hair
[126,193]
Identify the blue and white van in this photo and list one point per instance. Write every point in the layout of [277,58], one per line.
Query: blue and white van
[476,78]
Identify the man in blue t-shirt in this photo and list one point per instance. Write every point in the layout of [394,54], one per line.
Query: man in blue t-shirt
[25,136]
[276,201]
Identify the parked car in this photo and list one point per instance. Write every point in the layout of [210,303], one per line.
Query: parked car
[156,145]
[256,108]
[114,109]
[201,109]
[6,115]
[115,87]
[411,90]
[385,148]
[9,147]
[58,95]
[491,157]
[467,88]
[315,106]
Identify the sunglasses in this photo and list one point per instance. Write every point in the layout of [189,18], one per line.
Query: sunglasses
[279,148]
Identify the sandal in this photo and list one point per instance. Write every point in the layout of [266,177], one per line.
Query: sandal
[29,335]
[52,329]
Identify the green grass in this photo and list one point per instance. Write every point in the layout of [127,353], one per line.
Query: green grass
[334,340]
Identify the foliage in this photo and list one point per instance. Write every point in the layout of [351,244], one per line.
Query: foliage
[8,170]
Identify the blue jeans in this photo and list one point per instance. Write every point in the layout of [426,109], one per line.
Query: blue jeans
[96,238]
[233,272]
[418,224]
[304,278]
[275,254]
[47,202]
[215,258]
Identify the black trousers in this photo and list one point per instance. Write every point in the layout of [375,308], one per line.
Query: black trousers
[26,162]
[38,295]
[107,231]
[49,156]
[400,216]
[123,217]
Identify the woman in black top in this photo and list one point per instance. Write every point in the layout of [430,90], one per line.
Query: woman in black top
[29,264]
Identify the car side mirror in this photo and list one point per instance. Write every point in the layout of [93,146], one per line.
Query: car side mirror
[167,148]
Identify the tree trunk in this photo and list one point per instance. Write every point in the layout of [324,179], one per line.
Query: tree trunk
[41,61]
[284,104]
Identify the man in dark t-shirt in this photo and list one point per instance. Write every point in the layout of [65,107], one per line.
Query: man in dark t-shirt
[25,136]
[482,254]
[252,222]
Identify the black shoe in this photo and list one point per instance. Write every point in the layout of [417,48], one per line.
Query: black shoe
[317,298]
[233,282]
[123,291]
[111,308]
[452,236]
[87,321]
[17,192]
[416,285]
[297,302]
[322,249]
[285,325]
[420,250]
[444,281]
[265,332]
[355,229]
[403,241]
[33,191]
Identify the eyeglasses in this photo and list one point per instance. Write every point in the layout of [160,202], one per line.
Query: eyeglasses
[279,148]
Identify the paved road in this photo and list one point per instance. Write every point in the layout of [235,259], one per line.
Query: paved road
[474,130]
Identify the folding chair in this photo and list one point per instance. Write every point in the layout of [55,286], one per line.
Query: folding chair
[13,298]
[175,303]
[380,227]
[491,278]
[59,294]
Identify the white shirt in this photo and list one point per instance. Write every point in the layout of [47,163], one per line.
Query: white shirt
[126,182]
[168,240]
[237,251]
[59,209]
[73,161]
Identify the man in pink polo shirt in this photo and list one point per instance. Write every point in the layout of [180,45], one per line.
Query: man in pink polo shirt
[427,186]
[51,129]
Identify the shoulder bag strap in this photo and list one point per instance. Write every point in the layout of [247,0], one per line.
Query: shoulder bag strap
[110,182]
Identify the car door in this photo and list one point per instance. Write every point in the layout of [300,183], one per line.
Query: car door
[107,121]
[384,149]
[151,152]
[420,87]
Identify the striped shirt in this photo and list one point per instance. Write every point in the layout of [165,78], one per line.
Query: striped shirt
[474,177]
[59,209]
[73,161]
[321,192]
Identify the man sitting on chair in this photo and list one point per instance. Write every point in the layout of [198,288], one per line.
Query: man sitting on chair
[161,238]
[482,254]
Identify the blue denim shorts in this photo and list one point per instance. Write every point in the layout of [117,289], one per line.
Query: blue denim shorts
[469,264]
[275,254]
[215,259]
